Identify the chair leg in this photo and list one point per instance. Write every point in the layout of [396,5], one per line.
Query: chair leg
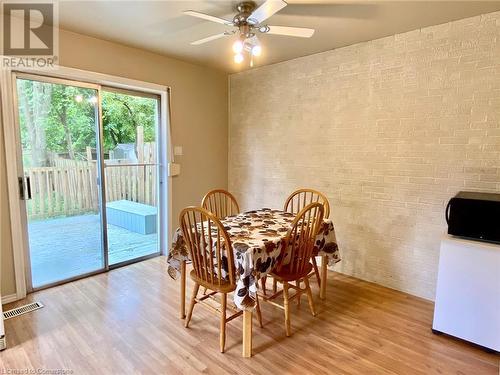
[263,284]
[316,270]
[257,308]
[309,296]
[192,303]
[287,308]
[183,289]
[324,276]
[223,322]
[275,286]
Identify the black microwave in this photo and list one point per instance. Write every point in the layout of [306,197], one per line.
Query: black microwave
[475,216]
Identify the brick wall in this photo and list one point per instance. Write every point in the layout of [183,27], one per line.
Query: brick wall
[389,130]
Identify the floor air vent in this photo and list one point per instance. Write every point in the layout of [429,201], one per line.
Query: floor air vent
[22,310]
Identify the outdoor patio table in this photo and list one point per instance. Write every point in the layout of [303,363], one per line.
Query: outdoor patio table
[256,238]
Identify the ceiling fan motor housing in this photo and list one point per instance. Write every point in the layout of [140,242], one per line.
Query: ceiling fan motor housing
[244,9]
[241,20]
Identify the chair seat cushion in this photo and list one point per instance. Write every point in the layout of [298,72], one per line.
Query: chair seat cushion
[286,274]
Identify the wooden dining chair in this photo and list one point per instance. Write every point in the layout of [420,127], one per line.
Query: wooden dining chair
[221,203]
[302,197]
[295,264]
[297,201]
[212,255]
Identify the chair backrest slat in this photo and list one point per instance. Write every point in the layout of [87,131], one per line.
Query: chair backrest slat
[204,251]
[302,197]
[221,203]
[300,239]
[217,254]
[191,241]
[211,254]
[209,246]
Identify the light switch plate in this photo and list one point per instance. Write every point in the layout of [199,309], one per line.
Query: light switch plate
[174,169]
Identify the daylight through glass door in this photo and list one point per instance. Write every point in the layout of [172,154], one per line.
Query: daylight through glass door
[130,127]
[59,131]
[90,176]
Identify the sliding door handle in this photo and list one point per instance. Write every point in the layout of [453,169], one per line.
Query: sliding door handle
[20,181]
[24,188]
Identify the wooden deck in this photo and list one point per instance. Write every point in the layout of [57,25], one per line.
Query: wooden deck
[126,322]
[62,248]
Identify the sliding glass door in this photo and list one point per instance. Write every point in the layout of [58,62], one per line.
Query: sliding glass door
[90,180]
[130,125]
[59,134]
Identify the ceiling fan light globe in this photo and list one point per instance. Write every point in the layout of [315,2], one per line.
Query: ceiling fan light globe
[238,58]
[238,47]
[256,50]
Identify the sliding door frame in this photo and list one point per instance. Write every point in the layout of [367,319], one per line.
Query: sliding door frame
[13,160]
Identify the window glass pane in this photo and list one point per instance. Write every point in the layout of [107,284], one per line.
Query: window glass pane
[129,127]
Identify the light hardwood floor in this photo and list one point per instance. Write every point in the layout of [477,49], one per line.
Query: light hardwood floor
[126,321]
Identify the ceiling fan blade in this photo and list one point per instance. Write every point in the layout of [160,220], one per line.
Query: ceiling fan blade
[300,32]
[207,17]
[266,10]
[209,39]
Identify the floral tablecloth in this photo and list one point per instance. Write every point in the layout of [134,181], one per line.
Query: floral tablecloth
[257,238]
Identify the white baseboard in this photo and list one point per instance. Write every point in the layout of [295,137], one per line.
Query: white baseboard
[9,298]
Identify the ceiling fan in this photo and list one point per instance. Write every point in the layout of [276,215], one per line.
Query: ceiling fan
[249,20]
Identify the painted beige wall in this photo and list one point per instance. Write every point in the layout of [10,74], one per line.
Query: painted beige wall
[388,129]
[199,120]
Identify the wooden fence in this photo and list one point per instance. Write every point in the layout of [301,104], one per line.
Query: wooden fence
[59,191]
[73,190]
[70,186]
[131,182]
[65,163]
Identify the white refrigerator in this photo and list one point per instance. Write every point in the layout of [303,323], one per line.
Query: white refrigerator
[468,291]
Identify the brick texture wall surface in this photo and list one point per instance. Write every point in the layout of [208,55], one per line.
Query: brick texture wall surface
[388,129]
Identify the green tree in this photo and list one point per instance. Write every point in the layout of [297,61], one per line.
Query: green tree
[71,126]
[62,119]
[34,106]
[122,114]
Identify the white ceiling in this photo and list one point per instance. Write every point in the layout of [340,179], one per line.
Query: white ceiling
[160,26]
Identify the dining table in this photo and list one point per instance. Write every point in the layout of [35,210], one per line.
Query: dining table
[257,239]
